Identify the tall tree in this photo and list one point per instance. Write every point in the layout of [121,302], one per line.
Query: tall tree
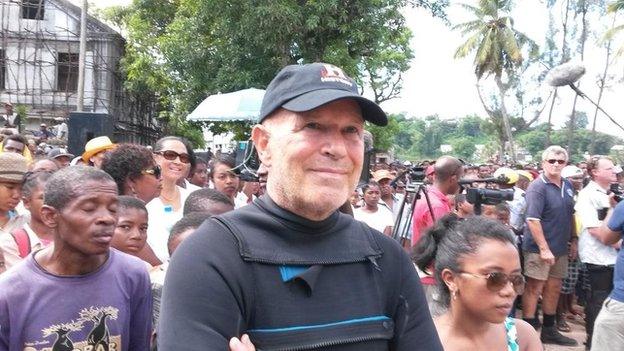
[498,50]
[210,46]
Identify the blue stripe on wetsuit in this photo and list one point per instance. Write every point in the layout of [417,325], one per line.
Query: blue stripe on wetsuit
[306,327]
[289,272]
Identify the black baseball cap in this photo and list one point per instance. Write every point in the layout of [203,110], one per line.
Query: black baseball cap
[301,88]
[58,152]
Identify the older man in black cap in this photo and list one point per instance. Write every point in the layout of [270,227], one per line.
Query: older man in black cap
[289,271]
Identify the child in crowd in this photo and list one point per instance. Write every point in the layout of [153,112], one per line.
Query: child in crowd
[131,231]
[34,234]
[179,232]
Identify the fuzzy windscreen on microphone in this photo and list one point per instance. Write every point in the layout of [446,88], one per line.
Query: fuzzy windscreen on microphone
[565,74]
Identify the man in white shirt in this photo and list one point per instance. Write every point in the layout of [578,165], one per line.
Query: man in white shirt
[591,207]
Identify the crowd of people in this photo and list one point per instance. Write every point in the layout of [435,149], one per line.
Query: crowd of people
[132,247]
[561,217]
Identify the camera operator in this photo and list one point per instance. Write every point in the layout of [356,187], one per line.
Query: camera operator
[550,207]
[609,325]
[448,171]
[591,207]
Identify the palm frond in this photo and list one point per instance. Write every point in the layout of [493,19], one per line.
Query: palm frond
[468,46]
[616,6]
[470,26]
[612,32]
[523,40]
[474,10]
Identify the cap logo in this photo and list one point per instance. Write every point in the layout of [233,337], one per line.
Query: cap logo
[331,73]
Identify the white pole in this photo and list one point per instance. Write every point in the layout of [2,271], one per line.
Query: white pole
[82,56]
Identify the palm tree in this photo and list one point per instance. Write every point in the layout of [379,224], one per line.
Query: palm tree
[615,7]
[498,49]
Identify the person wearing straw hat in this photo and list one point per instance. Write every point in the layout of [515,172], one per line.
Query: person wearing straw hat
[12,170]
[96,149]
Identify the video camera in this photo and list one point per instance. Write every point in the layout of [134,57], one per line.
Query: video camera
[618,192]
[480,196]
[247,161]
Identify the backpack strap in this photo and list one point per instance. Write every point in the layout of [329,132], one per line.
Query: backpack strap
[22,240]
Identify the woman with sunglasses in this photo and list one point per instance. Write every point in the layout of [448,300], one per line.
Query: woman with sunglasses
[134,170]
[136,173]
[477,269]
[176,158]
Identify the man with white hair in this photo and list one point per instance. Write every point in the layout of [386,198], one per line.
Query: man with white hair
[289,271]
[550,208]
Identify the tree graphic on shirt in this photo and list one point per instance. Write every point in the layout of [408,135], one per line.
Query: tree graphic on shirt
[99,337]
[62,342]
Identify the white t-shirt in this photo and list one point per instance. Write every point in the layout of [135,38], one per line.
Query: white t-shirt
[160,220]
[378,220]
[591,250]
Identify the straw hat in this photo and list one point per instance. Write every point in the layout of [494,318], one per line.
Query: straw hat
[382,174]
[96,145]
[12,167]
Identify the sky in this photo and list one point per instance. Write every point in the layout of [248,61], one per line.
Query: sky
[438,84]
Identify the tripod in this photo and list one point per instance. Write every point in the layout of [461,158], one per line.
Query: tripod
[401,231]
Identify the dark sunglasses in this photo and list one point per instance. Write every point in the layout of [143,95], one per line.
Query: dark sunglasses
[496,281]
[172,155]
[553,161]
[155,171]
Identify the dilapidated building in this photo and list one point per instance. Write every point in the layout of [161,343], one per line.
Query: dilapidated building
[39,54]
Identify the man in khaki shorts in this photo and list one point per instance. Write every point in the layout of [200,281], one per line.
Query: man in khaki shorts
[550,207]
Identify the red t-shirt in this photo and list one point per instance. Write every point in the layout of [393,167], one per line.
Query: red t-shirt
[422,220]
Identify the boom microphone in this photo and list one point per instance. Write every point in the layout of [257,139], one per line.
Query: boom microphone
[565,74]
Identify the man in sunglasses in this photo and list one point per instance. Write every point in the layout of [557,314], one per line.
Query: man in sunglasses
[289,271]
[549,229]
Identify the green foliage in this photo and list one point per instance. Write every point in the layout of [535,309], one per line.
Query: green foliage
[180,51]
[420,138]
[617,5]
[383,137]
[464,148]
[534,141]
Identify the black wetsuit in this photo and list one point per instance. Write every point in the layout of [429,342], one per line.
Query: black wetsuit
[293,284]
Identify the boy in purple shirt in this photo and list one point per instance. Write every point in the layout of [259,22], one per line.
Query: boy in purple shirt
[77,294]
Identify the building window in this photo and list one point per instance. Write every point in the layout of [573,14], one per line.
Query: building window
[67,72]
[2,69]
[33,9]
